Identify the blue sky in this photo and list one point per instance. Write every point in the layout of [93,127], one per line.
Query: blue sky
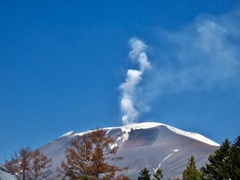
[63,66]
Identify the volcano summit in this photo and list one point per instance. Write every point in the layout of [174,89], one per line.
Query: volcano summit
[151,145]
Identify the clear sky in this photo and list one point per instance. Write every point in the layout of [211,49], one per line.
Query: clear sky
[64,64]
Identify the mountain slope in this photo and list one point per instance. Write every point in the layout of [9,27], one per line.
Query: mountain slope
[150,145]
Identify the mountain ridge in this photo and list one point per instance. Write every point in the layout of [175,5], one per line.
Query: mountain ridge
[148,144]
[146,125]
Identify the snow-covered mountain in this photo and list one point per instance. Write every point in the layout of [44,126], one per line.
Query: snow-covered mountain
[150,145]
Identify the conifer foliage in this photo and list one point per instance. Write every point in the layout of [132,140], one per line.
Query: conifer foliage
[29,165]
[235,159]
[144,174]
[191,172]
[224,163]
[158,175]
[87,157]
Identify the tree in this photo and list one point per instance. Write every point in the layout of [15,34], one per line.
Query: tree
[219,167]
[191,173]
[29,165]
[225,162]
[19,163]
[89,156]
[144,174]
[158,175]
[101,153]
[39,166]
[235,159]
[78,159]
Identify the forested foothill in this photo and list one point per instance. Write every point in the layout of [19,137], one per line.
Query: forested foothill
[87,159]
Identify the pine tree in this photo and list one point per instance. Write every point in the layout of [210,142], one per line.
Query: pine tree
[219,166]
[191,173]
[144,174]
[235,159]
[158,175]
[224,163]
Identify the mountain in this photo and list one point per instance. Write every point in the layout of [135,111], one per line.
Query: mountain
[150,145]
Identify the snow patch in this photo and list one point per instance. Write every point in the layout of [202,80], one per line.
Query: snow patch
[193,135]
[124,137]
[70,133]
[168,156]
[112,146]
[146,125]
[163,161]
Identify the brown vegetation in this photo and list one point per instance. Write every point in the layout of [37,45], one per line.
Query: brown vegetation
[88,157]
[29,165]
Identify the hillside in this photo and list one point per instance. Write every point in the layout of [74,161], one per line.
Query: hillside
[150,145]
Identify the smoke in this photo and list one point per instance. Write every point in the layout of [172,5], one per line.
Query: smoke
[129,111]
[202,56]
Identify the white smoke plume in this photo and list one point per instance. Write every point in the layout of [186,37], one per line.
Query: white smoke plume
[129,111]
[201,56]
